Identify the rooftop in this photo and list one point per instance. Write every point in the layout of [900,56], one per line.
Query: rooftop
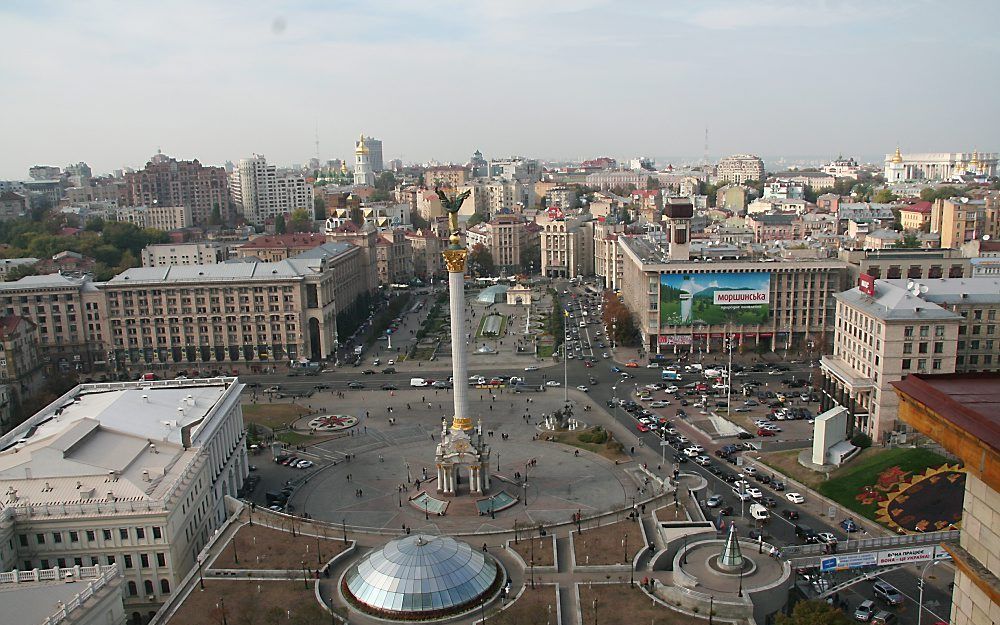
[947,291]
[295,239]
[290,268]
[108,442]
[30,602]
[51,280]
[892,301]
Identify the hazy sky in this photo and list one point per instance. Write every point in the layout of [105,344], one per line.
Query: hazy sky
[109,83]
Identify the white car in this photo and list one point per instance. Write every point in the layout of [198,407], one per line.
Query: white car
[741,484]
[671,389]
[697,448]
[703,460]
[583,388]
[750,471]
[682,439]
[552,383]
[720,386]
[659,404]
[827,538]
[303,464]
[653,365]
[755,492]
[531,368]
[691,452]
[390,362]
[741,494]
[605,355]
[795,498]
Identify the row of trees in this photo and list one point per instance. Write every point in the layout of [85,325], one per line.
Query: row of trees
[116,246]
[618,320]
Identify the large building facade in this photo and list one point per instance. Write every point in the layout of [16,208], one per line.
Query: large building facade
[129,474]
[901,167]
[739,168]
[566,245]
[166,181]
[959,220]
[793,302]
[261,192]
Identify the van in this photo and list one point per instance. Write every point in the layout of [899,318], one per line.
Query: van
[418,382]
[759,512]
[887,593]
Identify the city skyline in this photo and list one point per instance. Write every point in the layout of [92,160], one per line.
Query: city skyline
[217,84]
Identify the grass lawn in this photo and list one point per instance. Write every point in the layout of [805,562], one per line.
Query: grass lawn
[615,601]
[846,483]
[611,449]
[294,438]
[273,415]
[787,462]
[539,548]
[250,602]
[534,606]
[604,543]
[263,548]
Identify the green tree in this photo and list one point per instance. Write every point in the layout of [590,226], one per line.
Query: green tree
[356,215]
[941,193]
[385,181]
[418,222]
[319,208]
[531,259]
[652,183]
[909,241]
[301,221]
[19,272]
[813,612]
[884,196]
[279,225]
[216,217]
[94,224]
[481,263]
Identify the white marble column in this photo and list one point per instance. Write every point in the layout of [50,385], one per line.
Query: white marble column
[460,385]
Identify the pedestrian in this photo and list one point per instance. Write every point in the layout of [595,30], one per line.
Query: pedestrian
[348,477]
[408,407]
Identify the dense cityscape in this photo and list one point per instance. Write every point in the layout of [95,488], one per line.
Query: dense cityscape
[726,388]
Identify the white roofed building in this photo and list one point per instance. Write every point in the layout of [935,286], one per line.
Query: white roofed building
[132,474]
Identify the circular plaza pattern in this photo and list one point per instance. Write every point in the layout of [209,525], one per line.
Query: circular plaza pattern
[332,422]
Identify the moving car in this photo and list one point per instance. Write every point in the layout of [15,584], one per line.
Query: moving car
[583,388]
[848,525]
[795,498]
[714,501]
[531,368]
[303,464]
[887,593]
[553,383]
[703,460]
[865,611]
[759,512]
[791,515]
[355,385]
[390,387]
[827,538]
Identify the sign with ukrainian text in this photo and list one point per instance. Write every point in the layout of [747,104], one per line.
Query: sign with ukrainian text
[714,298]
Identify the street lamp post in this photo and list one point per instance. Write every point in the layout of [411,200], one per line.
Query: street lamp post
[236,556]
[201,580]
[711,608]
[739,593]
[920,600]
[498,461]
[250,510]
[305,580]
[343,524]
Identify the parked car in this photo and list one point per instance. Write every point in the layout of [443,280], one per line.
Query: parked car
[848,525]
[887,593]
[714,501]
[795,498]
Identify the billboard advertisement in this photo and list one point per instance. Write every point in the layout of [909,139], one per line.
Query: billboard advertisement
[866,284]
[675,339]
[714,298]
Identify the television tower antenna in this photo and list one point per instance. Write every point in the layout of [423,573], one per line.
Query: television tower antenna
[705,155]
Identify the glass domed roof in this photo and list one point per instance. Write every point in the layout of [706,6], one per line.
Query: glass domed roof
[421,574]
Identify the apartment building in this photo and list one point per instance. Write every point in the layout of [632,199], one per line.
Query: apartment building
[490,198]
[363,237]
[251,314]
[795,298]
[562,196]
[394,261]
[915,217]
[20,359]
[609,179]
[960,219]
[607,255]
[894,264]
[739,168]
[261,192]
[884,332]
[66,311]
[12,205]
[202,253]
[879,215]
[166,181]
[132,475]
[426,247]
[767,227]
[164,218]
[445,176]
[503,236]
[278,247]
[566,249]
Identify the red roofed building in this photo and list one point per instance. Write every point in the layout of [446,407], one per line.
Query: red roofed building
[916,216]
[278,247]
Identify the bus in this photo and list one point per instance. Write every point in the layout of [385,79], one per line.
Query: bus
[667,374]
